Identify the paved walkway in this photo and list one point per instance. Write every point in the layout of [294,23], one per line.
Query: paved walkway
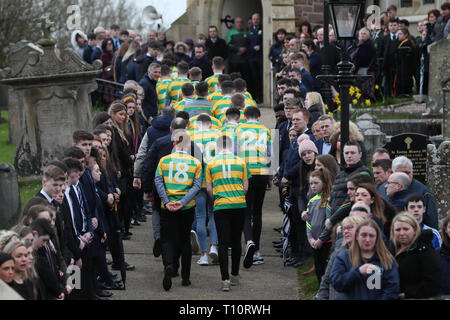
[269,281]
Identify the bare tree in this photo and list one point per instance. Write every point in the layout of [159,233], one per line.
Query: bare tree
[21,19]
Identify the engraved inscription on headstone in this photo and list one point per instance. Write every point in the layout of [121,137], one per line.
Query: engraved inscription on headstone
[414,147]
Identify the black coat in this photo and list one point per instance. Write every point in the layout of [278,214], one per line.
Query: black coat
[205,64]
[218,49]
[444,254]
[420,268]
[339,192]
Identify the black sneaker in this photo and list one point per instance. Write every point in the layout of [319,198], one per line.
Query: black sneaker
[167,281]
[249,252]
[185,282]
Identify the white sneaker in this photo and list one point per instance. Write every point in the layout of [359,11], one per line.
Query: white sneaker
[194,242]
[248,256]
[234,281]
[213,254]
[226,285]
[203,261]
[258,259]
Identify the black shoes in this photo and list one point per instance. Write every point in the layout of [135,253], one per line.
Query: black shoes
[249,252]
[104,294]
[157,248]
[167,280]
[128,267]
[185,282]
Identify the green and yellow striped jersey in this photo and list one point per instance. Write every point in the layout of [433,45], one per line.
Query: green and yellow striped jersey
[212,82]
[226,173]
[179,170]
[174,90]
[220,108]
[206,142]
[215,96]
[254,141]
[161,89]
[216,123]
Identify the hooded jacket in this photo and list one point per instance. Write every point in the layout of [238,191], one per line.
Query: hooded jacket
[420,268]
[75,45]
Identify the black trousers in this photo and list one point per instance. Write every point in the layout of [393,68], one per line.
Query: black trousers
[176,239]
[297,234]
[253,214]
[256,75]
[320,259]
[229,224]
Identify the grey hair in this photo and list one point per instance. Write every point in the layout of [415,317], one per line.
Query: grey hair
[130,84]
[154,65]
[327,117]
[401,161]
[364,30]
[168,111]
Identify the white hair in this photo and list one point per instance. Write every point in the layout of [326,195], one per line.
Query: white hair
[130,84]
[401,161]
[364,30]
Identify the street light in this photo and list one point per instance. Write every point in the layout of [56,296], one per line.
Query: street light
[344,16]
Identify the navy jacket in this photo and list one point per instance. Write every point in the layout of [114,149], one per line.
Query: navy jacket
[160,128]
[444,254]
[205,64]
[87,54]
[307,80]
[352,285]
[150,103]
[315,68]
[143,62]
[125,70]
[96,54]
[255,36]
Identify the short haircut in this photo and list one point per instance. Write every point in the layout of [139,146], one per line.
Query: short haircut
[73,165]
[359,178]
[74,152]
[114,27]
[284,81]
[34,212]
[204,119]
[305,114]
[252,113]
[223,77]
[178,123]
[168,111]
[183,67]
[240,85]
[233,113]
[91,36]
[385,164]
[297,56]
[238,100]
[165,70]
[352,143]
[403,179]
[81,135]
[202,89]
[227,87]
[278,107]
[297,94]
[154,65]
[218,62]
[59,164]
[296,70]
[381,150]
[187,89]
[292,102]
[43,227]
[415,197]
[394,20]
[195,72]
[199,45]
[401,161]
[326,117]
[445,6]
[124,32]
[53,172]
[235,75]
[183,114]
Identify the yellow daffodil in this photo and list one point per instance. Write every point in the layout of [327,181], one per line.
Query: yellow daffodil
[377,87]
[330,113]
[355,101]
[357,89]
[326,107]
[358,95]
[368,103]
[339,108]
[351,91]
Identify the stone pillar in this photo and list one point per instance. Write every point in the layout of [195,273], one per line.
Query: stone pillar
[373,137]
[439,71]
[9,196]
[438,176]
[50,91]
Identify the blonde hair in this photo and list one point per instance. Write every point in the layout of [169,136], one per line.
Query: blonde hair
[353,131]
[132,49]
[409,219]
[6,238]
[117,106]
[354,253]
[354,220]
[315,98]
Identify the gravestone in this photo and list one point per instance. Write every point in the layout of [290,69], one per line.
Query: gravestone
[9,196]
[439,71]
[50,100]
[414,147]
[373,137]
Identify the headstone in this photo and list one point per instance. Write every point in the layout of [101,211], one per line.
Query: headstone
[49,100]
[373,137]
[438,172]
[414,147]
[9,196]
[446,109]
[439,71]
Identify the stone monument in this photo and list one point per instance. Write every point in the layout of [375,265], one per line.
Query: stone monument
[373,137]
[51,99]
[9,196]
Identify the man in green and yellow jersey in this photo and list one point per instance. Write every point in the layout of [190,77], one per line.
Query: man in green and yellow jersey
[187,90]
[232,121]
[221,106]
[174,89]
[199,104]
[205,139]
[216,123]
[227,183]
[217,95]
[217,66]
[255,148]
[161,86]
[240,86]
[177,181]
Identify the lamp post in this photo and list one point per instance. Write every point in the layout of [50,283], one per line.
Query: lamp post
[325,70]
[344,18]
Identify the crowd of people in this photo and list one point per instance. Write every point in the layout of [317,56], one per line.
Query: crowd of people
[184,143]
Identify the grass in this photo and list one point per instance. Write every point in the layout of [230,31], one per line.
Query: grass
[7,152]
[308,284]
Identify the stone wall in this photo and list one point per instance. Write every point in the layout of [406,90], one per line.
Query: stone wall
[308,10]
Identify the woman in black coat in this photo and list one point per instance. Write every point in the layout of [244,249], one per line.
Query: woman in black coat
[406,64]
[364,59]
[444,254]
[418,263]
